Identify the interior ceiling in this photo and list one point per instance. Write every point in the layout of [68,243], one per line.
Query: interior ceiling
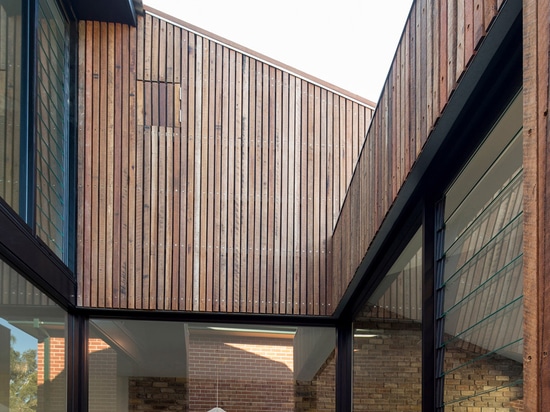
[148,348]
[155,348]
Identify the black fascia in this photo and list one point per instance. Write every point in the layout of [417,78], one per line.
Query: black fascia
[210,317]
[27,254]
[112,11]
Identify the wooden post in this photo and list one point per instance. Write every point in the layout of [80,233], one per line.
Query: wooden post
[537,192]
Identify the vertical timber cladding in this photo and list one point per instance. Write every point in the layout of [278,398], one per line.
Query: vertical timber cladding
[438,42]
[210,180]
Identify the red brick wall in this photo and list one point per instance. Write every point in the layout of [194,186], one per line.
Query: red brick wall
[253,374]
[147,394]
[52,391]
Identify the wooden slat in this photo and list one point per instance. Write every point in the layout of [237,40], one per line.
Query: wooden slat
[211,176]
[286,240]
[252,201]
[443,51]
[203,73]
[224,183]
[139,215]
[323,215]
[258,244]
[313,203]
[245,251]
[129,129]
[227,298]
[163,214]
[297,196]
[277,194]
[183,274]
[536,82]
[266,281]
[120,199]
[217,180]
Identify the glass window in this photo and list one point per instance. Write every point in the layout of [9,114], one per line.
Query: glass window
[152,365]
[10,100]
[482,280]
[387,341]
[32,347]
[47,167]
[51,128]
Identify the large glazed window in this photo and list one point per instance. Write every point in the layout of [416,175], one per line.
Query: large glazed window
[481,282]
[32,347]
[153,365]
[34,108]
[51,128]
[10,100]
[387,342]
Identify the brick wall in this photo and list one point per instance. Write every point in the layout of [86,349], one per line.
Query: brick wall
[387,369]
[256,375]
[102,377]
[51,388]
[387,374]
[148,394]
[318,395]
[244,374]
[484,373]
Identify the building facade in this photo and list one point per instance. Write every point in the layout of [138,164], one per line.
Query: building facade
[189,225]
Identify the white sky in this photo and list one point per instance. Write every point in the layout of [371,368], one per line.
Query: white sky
[349,43]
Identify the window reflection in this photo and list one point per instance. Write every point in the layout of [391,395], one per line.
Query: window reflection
[10,100]
[387,343]
[32,347]
[144,365]
[482,276]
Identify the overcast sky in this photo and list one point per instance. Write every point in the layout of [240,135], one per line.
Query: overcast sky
[349,43]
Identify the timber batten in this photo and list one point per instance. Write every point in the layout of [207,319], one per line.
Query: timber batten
[201,173]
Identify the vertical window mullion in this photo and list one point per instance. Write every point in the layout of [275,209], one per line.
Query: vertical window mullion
[438,325]
[344,366]
[28,108]
[429,358]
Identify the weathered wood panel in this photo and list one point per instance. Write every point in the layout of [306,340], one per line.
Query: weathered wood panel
[211,178]
[438,43]
[536,100]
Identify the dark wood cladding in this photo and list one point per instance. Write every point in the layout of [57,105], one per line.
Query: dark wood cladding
[536,99]
[437,45]
[209,179]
